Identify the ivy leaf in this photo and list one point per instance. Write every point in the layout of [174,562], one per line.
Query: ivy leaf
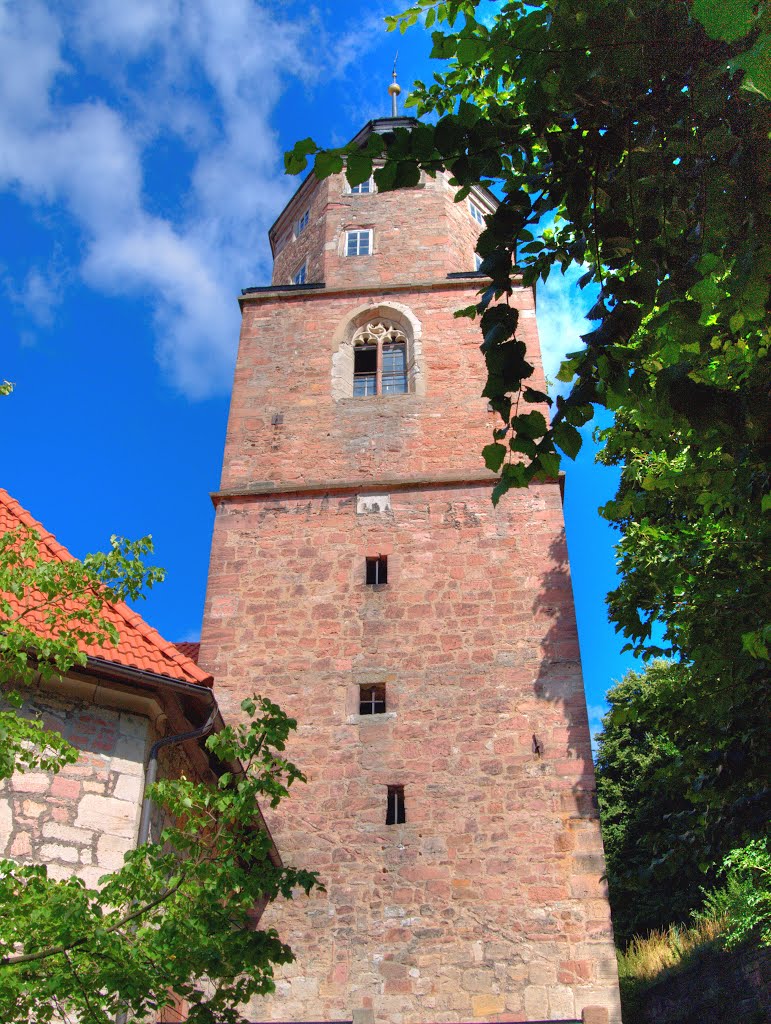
[531,395]
[756,64]
[494,454]
[531,424]
[513,475]
[358,168]
[550,463]
[385,176]
[296,160]
[568,438]
[327,163]
[728,20]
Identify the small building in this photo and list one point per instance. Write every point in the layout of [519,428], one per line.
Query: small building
[83,819]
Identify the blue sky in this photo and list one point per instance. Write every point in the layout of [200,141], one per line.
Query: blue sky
[141,165]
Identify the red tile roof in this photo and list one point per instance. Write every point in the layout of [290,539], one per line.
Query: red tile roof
[140,646]
[189,647]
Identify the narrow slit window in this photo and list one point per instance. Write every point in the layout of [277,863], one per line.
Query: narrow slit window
[395,814]
[300,275]
[377,570]
[372,699]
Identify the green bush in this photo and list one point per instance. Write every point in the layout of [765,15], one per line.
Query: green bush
[744,902]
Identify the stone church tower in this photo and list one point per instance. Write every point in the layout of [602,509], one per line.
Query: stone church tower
[425,641]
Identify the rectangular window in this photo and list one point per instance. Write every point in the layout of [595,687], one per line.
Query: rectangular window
[372,699]
[302,223]
[395,813]
[364,370]
[476,213]
[377,570]
[394,369]
[300,276]
[358,243]
[477,261]
[363,189]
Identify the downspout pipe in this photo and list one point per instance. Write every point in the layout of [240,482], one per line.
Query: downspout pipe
[151,772]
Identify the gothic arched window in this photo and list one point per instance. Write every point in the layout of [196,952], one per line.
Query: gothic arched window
[377,350]
[379,359]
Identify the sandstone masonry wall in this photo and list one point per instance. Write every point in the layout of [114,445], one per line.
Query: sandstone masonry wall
[83,819]
[285,426]
[487,903]
[421,232]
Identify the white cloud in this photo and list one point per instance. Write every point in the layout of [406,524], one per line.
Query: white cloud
[212,76]
[38,295]
[561,308]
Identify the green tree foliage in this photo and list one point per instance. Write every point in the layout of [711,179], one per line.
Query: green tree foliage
[629,140]
[48,609]
[743,902]
[679,786]
[178,911]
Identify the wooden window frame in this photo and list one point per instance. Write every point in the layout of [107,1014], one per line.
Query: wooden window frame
[302,223]
[477,213]
[359,233]
[360,190]
[300,276]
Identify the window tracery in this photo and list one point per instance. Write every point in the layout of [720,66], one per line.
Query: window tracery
[379,359]
[377,350]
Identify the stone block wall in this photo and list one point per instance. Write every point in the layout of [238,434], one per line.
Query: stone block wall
[292,250]
[287,425]
[418,234]
[83,819]
[487,903]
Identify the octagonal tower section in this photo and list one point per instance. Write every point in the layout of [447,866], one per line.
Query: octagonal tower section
[424,640]
[411,235]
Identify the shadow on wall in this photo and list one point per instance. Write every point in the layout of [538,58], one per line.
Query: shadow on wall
[564,742]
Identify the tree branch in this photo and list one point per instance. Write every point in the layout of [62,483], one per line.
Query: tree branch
[25,958]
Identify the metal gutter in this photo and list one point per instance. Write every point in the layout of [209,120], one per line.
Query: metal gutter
[151,772]
[126,674]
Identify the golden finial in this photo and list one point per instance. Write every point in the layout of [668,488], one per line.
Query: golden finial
[394,89]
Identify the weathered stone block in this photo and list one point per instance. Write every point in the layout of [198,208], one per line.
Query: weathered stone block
[67,833]
[108,815]
[487,1005]
[129,787]
[58,851]
[30,782]
[594,1015]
